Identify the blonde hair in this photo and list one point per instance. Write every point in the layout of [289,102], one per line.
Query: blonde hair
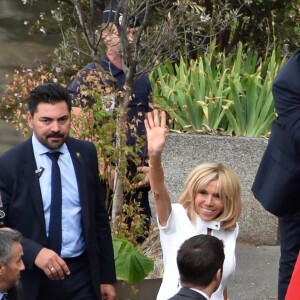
[229,190]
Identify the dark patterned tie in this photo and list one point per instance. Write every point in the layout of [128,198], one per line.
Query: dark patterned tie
[4,297]
[55,229]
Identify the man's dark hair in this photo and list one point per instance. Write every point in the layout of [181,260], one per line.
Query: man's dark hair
[48,93]
[199,258]
[7,238]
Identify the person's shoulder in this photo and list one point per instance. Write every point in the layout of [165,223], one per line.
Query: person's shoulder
[291,65]
[145,78]
[12,159]
[178,208]
[71,141]
[16,150]
[292,62]
[230,233]
[89,67]
[179,213]
[296,54]
[81,148]
[187,293]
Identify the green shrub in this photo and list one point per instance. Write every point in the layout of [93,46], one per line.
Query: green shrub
[219,92]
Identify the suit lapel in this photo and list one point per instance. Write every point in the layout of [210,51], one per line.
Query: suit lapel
[32,179]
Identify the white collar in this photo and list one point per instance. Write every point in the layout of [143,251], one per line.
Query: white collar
[1,294]
[201,225]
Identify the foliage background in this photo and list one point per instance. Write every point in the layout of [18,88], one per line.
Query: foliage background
[217,79]
[261,26]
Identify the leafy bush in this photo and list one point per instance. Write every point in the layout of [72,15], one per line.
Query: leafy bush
[219,92]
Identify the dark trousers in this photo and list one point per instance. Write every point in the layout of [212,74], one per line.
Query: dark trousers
[289,246]
[76,286]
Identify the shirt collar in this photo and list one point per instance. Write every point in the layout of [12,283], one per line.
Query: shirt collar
[200,292]
[109,66]
[199,224]
[1,295]
[41,149]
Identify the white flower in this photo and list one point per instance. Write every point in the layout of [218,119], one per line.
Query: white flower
[204,18]
[42,30]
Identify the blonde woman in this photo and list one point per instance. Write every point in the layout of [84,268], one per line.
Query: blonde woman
[210,204]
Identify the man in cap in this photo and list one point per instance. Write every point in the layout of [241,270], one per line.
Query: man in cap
[111,64]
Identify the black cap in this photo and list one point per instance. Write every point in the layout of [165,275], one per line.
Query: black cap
[109,15]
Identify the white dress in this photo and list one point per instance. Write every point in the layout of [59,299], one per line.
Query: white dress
[178,229]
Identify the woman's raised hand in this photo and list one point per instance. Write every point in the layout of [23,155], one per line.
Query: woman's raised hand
[156,132]
[156,138]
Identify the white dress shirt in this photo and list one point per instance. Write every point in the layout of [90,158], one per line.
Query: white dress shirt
[72,236]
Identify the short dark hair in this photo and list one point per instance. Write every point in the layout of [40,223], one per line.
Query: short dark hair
[7,238]
[48,93]
[199,258]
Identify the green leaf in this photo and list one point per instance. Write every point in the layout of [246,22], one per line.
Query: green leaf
[232,92]
[131,265]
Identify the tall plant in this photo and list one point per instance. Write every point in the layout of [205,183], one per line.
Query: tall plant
[219,92]
[191,95]
[253,109]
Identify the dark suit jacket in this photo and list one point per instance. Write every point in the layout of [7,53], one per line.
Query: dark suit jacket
[186,293]
[16,293]
[22,201]
[277,182]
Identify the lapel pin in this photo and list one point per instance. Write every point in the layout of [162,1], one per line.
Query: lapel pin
[39,171]
[77,154]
